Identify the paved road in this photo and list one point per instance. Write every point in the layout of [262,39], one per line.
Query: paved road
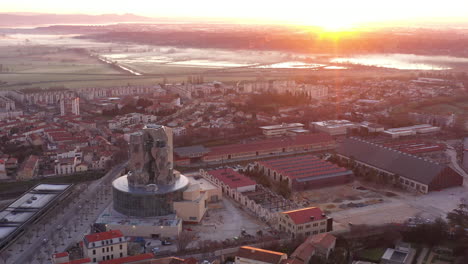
[456,166]
[83,211]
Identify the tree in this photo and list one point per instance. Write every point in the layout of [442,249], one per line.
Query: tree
[184,239]
[283,189]
[432,233]
[459,216]
[338,256]
[5,256]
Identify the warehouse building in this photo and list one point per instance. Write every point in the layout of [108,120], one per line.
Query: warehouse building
[253,197]
[410,171]
[311,142]
[304,172]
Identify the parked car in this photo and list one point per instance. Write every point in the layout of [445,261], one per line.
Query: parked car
[166,243]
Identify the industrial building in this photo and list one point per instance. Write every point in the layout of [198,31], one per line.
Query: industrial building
[415,146]
[253,197]
[255,149]
[410,171]
[304,172]
[28,209]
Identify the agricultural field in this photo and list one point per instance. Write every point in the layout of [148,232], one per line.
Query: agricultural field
[47,61]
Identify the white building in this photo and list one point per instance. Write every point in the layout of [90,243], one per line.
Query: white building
[334,127]
[179,131]
[105,246]
[76,106]
[280,130]
[64,166]
[411,130]
[62,107]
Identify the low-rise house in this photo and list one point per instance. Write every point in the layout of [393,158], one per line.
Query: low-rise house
[105,246]
[304,222]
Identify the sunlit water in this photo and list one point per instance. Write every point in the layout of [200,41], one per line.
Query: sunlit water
[135,55]
[402,61]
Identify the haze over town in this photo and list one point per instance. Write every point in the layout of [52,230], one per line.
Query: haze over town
[244,132]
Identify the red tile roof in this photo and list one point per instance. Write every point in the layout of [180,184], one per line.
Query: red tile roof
[79,261]
[324,240]
[231,178]
[304,215]
[302,166]
[260,254]
[61,254]
[129,259]
[103,236]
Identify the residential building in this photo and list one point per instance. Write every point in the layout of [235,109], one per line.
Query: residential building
[323,244]
[252,255]
[105,246]
[76,106]
[304,222]
[59,258]
[65,166]
[315,245]
[410,171]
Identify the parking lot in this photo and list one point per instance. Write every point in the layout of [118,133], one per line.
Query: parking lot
[226,223]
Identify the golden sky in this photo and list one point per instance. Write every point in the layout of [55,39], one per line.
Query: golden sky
[326,13]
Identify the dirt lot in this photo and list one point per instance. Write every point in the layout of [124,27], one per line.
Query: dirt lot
[353,195]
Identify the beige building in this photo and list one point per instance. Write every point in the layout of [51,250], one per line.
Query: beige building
[251,255]
[105,246]
[200,195]
[304,222]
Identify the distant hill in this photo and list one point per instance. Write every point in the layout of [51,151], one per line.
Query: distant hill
[32,19]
